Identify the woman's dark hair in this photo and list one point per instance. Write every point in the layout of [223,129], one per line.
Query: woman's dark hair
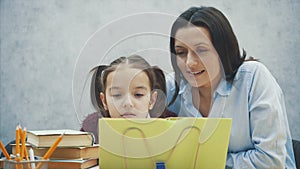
[155,75]
[222,37]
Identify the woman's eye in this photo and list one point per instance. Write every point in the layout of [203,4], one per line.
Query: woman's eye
[201,50]
[181,53]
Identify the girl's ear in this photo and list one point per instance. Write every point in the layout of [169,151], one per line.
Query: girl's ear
[152,100]
[102,97]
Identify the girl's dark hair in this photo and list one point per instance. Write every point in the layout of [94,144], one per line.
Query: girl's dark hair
[222,37]
[155,75]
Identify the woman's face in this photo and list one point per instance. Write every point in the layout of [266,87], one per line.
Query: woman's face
[128,93]
[196,56]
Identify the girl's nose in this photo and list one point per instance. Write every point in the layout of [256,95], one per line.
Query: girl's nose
[127,102]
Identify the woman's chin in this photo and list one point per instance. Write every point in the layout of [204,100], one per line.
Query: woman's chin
[194,83]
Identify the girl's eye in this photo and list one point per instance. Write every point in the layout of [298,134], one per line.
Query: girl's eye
[138,94]
[116,95]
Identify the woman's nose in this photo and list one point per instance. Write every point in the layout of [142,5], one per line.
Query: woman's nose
[192,59]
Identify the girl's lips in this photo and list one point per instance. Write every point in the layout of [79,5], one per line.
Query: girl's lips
[128,115]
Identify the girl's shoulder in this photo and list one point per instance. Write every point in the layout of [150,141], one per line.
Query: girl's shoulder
[168,113]
[90,122]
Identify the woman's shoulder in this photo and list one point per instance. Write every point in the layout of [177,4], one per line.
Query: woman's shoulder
[250,68]
[254,73]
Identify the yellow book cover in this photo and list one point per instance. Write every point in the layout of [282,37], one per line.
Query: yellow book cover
[176,143]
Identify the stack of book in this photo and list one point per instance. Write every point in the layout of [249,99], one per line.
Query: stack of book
[1,163]
[76,149]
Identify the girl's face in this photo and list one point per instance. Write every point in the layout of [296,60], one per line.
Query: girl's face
[128,93]
[196,56]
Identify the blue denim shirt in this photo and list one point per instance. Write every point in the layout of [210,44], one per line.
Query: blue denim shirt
[260,135]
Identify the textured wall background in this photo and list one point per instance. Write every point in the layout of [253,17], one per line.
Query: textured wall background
[41,41]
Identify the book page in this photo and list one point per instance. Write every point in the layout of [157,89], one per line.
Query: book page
[57,132]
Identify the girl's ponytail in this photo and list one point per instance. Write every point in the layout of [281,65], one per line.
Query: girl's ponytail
[159,86]
[97,88]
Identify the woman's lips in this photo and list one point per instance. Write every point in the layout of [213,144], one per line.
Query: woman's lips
[196,73]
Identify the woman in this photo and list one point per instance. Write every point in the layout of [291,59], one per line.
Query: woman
[212,79]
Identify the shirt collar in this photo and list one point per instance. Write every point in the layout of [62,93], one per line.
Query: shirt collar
[184,86]
[223,87]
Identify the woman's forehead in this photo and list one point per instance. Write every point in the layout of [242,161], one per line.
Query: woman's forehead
[192,35]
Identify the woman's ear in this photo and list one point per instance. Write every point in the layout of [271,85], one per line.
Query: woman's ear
[102,97]
[152,100]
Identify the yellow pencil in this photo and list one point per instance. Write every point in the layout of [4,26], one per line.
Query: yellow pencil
[53,147]
[17,141]
[4,151]
[26,154]
[23,139]
[27,158]
[51,150]
[21,153]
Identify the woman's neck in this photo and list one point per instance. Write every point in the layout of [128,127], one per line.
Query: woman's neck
[203,96]
[202,100]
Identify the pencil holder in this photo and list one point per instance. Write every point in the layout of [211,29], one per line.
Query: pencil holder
[11,164]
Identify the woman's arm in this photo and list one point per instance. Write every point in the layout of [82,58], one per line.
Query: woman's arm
[268,125]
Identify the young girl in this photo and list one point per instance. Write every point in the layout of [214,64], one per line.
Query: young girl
[127,88]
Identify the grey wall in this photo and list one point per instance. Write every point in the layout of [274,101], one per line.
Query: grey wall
[41,42]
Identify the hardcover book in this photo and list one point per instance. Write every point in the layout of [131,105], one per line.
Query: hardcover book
[71,138]
[72,164]
[78,153]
